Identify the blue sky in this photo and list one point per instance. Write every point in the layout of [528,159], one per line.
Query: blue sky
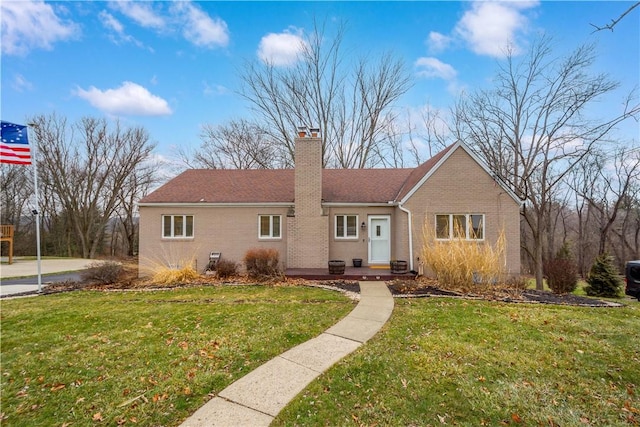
[173,66]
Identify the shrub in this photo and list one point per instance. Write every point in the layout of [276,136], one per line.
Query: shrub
[104,273]
[226,268]
[562,272]
[171,276]
[603,279]
[262,264]
[461,264]
[516,284]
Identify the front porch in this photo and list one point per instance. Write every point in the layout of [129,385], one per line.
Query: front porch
[350,273]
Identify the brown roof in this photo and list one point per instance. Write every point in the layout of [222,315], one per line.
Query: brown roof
[226,186]
[277,185]
[362,185]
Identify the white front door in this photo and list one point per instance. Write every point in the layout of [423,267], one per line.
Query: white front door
[379,240]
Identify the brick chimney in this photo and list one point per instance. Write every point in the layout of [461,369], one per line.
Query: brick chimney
[308,230]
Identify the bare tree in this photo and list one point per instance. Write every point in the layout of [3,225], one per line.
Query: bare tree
[237,144]
[16,182]
[532,128]
[431,134]
[16,201]
[135,186]
[350,102]
[86,168]
[606,186]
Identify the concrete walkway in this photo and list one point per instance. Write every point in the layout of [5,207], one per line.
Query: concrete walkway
[255,399]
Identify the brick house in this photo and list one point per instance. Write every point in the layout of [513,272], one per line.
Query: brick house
[312,215]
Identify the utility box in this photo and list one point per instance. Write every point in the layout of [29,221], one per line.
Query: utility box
[214,257]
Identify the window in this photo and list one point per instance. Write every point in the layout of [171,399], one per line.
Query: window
[175,226]
[346,226]
[460,226]
[269,226]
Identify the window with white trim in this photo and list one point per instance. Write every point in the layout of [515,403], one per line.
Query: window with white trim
[460,226]
[269,226]
[177,226]
[346,226]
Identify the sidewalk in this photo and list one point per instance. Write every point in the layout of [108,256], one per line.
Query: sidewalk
[255,399]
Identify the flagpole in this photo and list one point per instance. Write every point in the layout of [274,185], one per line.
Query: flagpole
[36,211]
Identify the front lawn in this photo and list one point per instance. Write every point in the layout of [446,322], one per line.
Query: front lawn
[145,358]
[153,357]
[461,362]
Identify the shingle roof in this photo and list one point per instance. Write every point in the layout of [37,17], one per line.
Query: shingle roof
[226,186]
[277,185]
[362,185]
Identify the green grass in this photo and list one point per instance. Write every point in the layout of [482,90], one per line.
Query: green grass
[456,362]
[145,358]
[152,358]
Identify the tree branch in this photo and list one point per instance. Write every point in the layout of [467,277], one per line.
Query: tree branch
[614,22]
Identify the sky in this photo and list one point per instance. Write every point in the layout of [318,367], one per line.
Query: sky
[173,66]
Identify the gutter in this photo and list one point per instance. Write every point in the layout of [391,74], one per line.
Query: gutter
[409,224]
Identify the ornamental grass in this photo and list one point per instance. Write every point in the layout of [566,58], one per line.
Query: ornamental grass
[464,265]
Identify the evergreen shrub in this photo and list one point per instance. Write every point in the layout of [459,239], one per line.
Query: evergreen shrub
[604,279]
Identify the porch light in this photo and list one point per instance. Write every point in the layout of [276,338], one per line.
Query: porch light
[363,225]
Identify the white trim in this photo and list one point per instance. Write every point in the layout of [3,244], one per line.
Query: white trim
[346,228]
[347,204]
[173,224]
[270,236]
[223,205]
[451,230]
[409,228]
[456,145]
[388,219]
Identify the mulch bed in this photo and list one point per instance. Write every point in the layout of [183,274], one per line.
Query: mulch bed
[546,297]
[400,288]
[429,288]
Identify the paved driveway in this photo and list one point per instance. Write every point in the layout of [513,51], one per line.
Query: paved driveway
[22,275]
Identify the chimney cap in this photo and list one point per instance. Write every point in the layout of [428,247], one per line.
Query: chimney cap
[302,131]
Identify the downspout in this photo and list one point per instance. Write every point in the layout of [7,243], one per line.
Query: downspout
[403,209]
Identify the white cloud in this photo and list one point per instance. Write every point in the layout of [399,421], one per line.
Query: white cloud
[110,22]
[438,42]
[128,99]
[196,26]
[141,12]
[430,67]
[200,29]
[21,84]
[214,90]
[281,49]
[32,25]
[118,35]
[490,28]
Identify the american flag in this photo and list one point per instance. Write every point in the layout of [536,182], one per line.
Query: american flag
[14,144]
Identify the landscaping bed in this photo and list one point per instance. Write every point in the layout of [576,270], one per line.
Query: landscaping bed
[399,288]
[403,288]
